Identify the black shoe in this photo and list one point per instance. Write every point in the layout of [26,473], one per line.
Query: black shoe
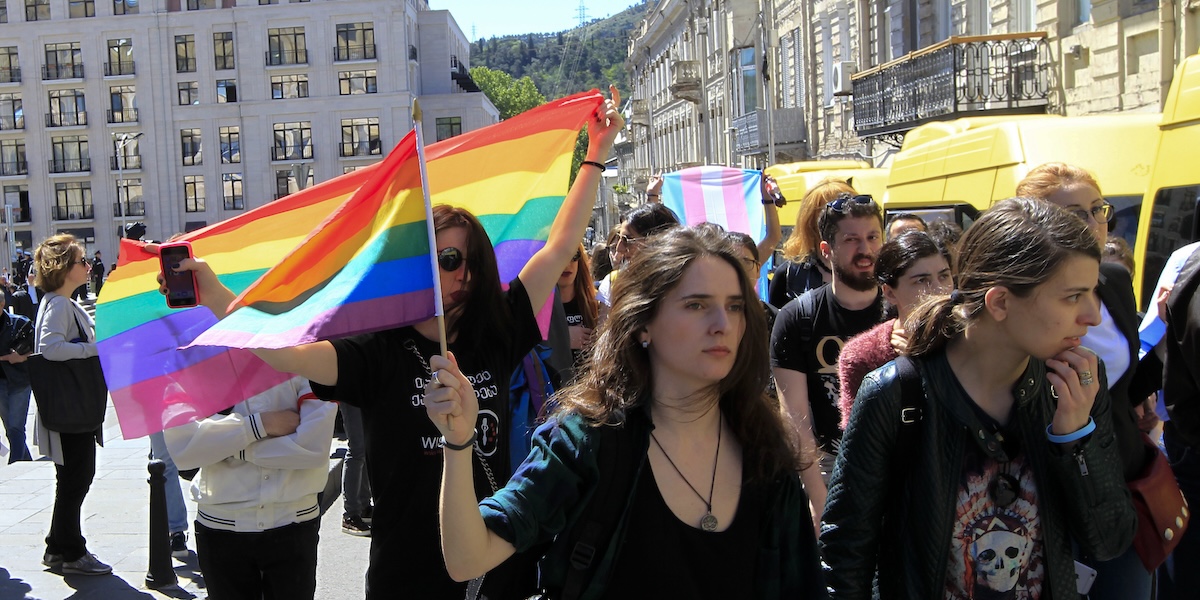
[367,513]
[179,545]
[355,526]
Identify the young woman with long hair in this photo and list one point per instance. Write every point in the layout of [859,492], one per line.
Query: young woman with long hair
[578,296]
[978,484]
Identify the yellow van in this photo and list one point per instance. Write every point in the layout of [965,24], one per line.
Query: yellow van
[1170,204]
[956,169]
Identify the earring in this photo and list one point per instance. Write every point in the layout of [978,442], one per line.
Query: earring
[645,343]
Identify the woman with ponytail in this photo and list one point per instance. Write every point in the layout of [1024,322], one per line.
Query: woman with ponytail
[975,481]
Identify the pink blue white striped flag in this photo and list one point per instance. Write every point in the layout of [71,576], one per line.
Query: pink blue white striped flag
[728,197]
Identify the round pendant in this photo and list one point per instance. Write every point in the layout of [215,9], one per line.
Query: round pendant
[708,523]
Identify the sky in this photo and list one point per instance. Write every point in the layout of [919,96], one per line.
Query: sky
[507,17]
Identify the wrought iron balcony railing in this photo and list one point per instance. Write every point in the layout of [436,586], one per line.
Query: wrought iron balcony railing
[51,72]
[752,135]
[969,75]
[132,209]
[303,151]
[685,80]
[275,58]
[351,149]
[72,213]
[15,167]
[66,119]
[70,165]
[122,162]
[113,69]
[354,52]
[125,115]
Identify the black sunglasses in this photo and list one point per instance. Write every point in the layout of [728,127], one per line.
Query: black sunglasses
[450,259]
[843,201]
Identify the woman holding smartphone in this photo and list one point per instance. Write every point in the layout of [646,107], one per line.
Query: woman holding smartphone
[65,332]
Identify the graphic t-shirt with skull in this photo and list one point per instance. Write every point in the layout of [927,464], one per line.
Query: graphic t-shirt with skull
[996,549]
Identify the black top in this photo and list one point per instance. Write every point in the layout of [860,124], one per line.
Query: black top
[808,337]
[385,374]
[702,564]
[574,319]
[791,279]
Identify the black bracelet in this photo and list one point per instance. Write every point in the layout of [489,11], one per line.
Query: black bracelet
[594,164]
[464,446]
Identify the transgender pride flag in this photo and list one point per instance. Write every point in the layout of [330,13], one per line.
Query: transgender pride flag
[728,197]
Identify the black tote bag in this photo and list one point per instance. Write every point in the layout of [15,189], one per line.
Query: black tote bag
[71,394]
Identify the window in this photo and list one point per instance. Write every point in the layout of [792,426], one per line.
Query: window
[289,86]
[356,82]
[12,157]
[1083,11]
[72,200]
[231,145]
[223,50]
[67,108]
[226,90]
[189,143]
[748,81]
[63,61]
[78,9]
[185,54]
[448,127]
[18,196]
[125,7]
[69,154]
[193,193]
[265,2]
[3,11]
[1172,226]
[231,191]
[355,41]
[121,104]
[126,154]
[129,199]
[189,93]
[285,46]
[10,66]
[286,181]
[201,4]
[120,57]
[360,137]
[12,113]
[37,10]
[292,141]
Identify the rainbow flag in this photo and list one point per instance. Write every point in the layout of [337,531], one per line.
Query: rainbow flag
[337,255]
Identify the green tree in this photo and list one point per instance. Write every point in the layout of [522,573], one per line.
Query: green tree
[511,96]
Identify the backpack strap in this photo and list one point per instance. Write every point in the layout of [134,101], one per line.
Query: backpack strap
[912,411]
[806,309]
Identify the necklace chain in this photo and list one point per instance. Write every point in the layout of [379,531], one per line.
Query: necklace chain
[708,522]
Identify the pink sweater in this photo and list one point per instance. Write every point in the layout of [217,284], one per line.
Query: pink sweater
[864,353]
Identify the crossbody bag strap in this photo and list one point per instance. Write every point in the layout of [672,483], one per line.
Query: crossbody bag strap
[912,411]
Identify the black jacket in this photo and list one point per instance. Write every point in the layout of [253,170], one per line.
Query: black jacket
[905,532]
[1181,375]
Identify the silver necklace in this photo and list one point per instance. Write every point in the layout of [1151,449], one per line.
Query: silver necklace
[708,522]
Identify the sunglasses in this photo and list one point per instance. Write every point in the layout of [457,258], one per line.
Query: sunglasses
[450,259]
[628,241]
[83,261]
[843,201]
[1102,213]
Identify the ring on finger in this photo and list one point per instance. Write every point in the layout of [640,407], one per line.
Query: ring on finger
[1085,378]
[434,381]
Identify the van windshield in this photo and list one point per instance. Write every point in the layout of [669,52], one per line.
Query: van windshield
[1127,212]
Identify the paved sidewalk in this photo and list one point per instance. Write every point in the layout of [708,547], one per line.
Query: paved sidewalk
[116,522]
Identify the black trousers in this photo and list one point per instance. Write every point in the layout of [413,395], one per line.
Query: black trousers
[74,479]
[278,563]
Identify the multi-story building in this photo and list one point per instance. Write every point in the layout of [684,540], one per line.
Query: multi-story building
[127,96]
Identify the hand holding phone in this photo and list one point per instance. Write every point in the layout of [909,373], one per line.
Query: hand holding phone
[181,285]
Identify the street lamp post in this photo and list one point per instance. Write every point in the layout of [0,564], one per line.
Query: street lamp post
[122,140]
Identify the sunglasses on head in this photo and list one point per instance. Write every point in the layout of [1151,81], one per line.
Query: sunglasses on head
[450,259]
[843,201]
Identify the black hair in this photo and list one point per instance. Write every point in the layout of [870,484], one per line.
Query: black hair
[827,223]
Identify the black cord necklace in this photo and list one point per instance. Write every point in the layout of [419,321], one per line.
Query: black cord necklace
[708,522]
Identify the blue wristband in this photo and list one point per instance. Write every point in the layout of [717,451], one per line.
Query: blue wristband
[1083,432]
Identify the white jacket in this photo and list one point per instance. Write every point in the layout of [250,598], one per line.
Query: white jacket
[250,482]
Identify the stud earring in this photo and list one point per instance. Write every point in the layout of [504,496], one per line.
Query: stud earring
[645,343]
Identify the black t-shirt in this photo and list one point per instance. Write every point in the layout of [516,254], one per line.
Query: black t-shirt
[574,319]
[808,337]
[385,374]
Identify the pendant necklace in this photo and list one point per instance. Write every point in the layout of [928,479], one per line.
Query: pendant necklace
[708,522]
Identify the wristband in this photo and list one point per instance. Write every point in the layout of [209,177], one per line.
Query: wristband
[1083,432]
[464,446]
[651,195]
[594,164]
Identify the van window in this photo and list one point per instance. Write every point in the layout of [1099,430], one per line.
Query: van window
[1127,211]
[1172,226]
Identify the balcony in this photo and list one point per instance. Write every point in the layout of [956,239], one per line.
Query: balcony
[125,115]
[753,133]
[121,162]
[16,167]
[685,80]
[132,209]
[52,72]
[12,75]
[960,77]
[71,213]
[276,58]
[66,119]
[301,152]
[20,215]
[70,165]
[368,148]
[462,75]
[354,52]
[639,112]
[116,69]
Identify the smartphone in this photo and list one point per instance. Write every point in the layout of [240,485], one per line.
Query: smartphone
[1085,576]
[181,285]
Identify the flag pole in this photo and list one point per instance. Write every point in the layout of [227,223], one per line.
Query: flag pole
[439,308]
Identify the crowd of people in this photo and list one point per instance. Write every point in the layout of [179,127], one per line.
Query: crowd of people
[916,411]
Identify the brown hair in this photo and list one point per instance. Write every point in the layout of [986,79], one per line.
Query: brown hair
[1117,250]
[483,314]
[617,376]
[53,260]
[585,290]
[1019,244]
[805,239]
[1046,179]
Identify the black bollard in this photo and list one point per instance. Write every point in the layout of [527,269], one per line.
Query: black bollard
[162,572]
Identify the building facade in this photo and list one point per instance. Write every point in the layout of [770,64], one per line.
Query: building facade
[107,108]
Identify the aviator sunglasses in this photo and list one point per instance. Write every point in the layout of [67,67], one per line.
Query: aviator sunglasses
[450,259]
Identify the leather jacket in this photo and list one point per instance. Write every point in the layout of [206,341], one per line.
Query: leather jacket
[905,532]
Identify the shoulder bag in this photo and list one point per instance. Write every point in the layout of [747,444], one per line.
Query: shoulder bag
[70,394]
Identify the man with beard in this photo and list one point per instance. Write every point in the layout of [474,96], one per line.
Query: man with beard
[811,330]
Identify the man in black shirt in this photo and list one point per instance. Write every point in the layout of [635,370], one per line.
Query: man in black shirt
[810,331]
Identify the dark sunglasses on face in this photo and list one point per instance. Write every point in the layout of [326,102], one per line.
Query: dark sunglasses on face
[450,259]
[1102,213]
[843,201]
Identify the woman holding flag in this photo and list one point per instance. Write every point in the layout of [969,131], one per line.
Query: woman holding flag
[489,330]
